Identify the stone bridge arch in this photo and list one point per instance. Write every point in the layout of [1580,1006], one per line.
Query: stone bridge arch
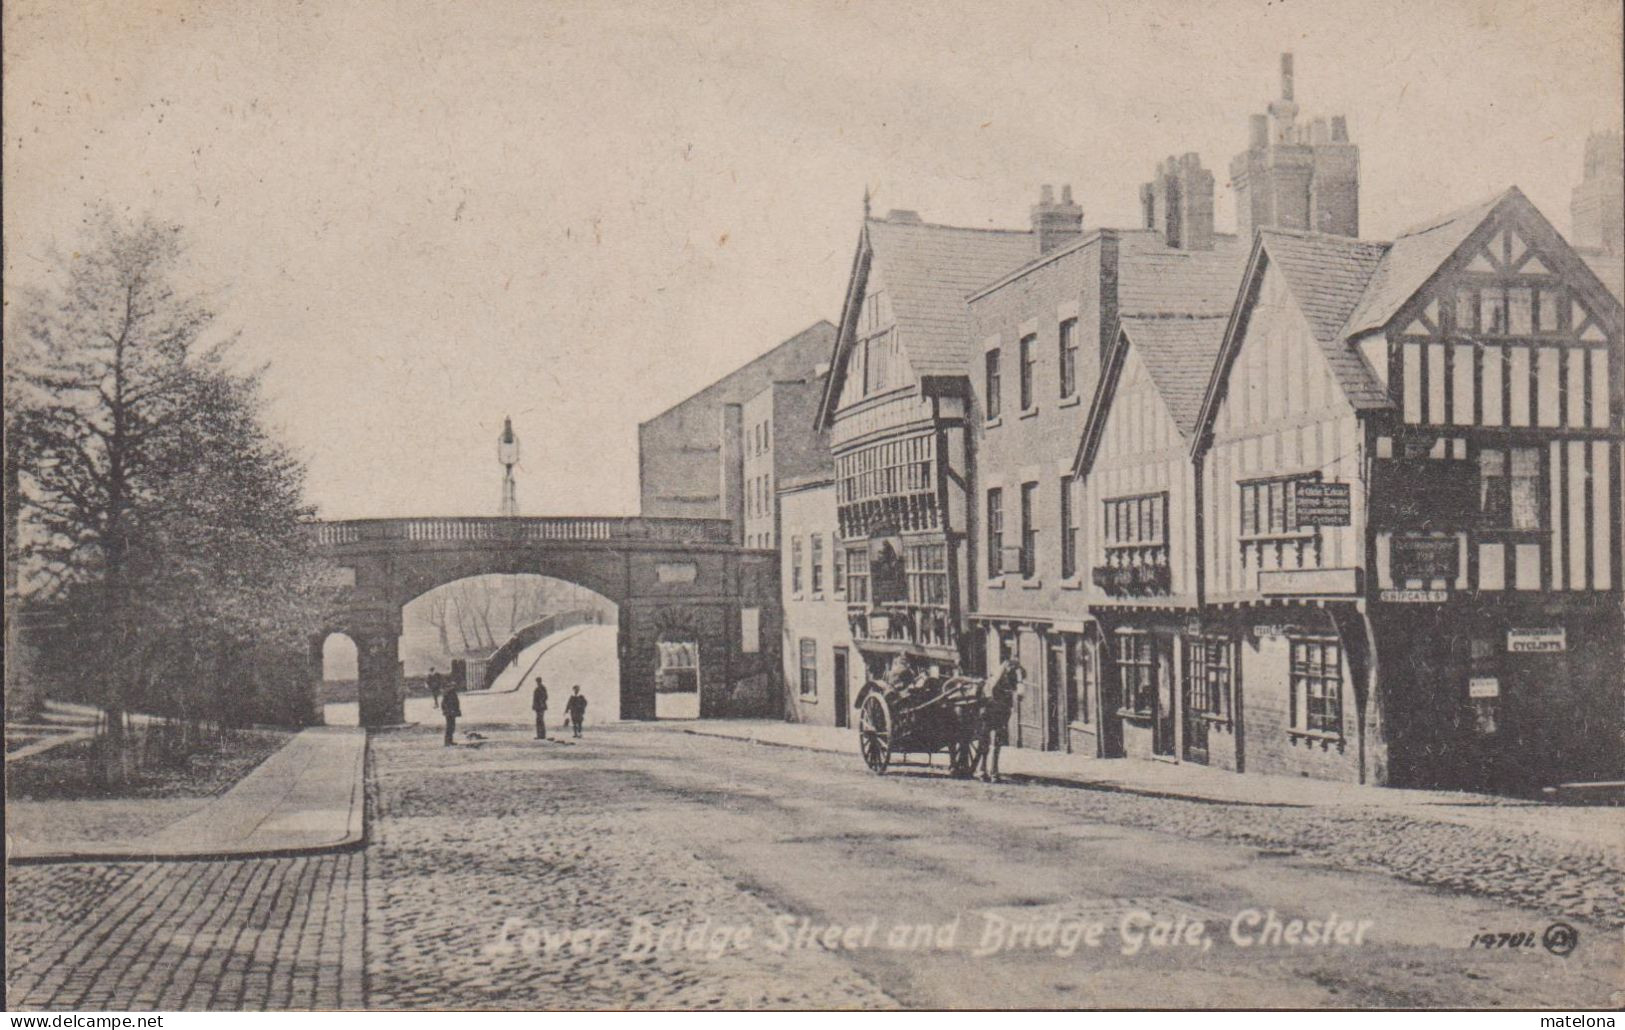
[662,573]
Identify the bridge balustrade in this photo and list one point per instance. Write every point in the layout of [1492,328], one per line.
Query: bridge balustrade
[561,529]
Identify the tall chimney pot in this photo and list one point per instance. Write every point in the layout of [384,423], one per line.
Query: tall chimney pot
[1056,224]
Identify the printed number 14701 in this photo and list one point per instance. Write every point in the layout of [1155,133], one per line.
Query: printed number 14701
[1525,939]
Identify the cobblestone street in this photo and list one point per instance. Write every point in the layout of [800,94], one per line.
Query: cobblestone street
[508,873]
[263,934]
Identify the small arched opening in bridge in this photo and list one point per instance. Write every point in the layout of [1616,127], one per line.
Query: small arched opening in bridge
[340,669]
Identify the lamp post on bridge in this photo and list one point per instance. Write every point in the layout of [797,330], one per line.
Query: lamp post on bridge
[508,455]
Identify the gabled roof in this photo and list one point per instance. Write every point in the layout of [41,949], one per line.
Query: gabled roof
[1324,275]
[761,371]
[1155,280]
[1328,276]
[1178,353]
[1412,259]
[1610,268]
[928,271]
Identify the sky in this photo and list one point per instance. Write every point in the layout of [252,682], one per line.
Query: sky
[427,216]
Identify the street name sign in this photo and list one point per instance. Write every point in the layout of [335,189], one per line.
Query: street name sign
[1414,596]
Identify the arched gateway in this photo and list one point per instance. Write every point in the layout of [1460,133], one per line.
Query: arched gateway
[677,581]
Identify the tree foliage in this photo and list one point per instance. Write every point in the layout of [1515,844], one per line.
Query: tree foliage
[155,510]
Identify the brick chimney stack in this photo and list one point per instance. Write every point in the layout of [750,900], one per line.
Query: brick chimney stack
[1056,225]
[1597,208]
[1178,203]
[1295,176]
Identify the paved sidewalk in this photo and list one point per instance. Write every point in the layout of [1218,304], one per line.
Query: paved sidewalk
[1190,782]
[308,797]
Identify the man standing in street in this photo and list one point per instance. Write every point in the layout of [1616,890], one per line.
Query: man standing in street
[451,706]
[576,709]
[538,704]
[435,686]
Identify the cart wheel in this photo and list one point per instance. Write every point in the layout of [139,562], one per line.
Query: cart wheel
[874,733]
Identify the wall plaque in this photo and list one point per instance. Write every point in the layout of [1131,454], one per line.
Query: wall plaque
[1425,557]
[1543,640]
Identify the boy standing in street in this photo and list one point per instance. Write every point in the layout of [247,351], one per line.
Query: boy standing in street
[576,709]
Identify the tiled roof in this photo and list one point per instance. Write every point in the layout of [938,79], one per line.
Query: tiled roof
[1411,259]
[1155,279]
[1328,275]
[928,271]
[1178,354]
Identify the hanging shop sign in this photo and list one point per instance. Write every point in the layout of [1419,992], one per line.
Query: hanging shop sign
[888,583]
[1541,640]
[1323,504]
[1483,686]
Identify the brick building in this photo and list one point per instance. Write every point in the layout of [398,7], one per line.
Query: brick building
[820,656]
[691,456]
[1044,330]
[779,447]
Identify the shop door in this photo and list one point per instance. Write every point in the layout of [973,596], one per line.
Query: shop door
[1162,735]
[1029,712]
[1194,700]
[842,701]
[1055,686]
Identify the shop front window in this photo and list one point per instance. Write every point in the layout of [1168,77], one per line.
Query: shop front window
[809,668]
[1317,686]
[1137,672]
[1209,664]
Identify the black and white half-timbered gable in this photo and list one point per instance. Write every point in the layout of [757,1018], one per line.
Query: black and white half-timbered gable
[1410,466]
[895,408]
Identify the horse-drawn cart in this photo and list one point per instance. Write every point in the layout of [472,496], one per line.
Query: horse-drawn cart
[923,716]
